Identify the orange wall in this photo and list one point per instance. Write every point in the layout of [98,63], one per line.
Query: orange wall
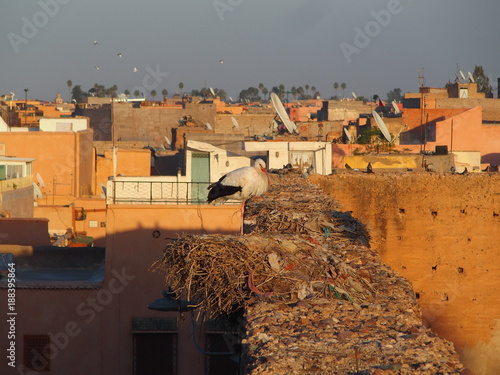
[62,217]
[129,162]
[469,134]
[101,318]
[63,159]
[414,117]
[136,237]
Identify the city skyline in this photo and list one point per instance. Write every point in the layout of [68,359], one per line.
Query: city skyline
[236,44]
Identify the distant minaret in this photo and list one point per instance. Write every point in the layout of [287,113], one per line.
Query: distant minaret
[58,99]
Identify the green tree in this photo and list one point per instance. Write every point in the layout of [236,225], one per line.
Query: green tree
[251,94]
[181,86]
[70,84]
[307,89]
[78,94]
[127,93]
[394,95]
[164,92]
[482,80]
[137,93]
[153,93]
[294,92]
[282,90]
[336,87]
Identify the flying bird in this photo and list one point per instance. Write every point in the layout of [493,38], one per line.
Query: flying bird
[135,69]
[119,54]
[95,42]
[97,67]
[221,61]
[240,184]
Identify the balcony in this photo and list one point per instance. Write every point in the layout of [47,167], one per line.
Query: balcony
[153,191]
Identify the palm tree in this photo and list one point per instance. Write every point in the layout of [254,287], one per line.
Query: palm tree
[164,92]
[127,93]
[307,89]
[181,86]
[136,93]
[343,86]
[294,92]
[265,91]
[336,87]
[261,87]
[313,90]
[153,93]
[70,84]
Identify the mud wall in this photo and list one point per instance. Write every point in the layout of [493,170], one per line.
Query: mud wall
[442,233]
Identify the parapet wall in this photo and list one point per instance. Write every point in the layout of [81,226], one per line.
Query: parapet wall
[441,232]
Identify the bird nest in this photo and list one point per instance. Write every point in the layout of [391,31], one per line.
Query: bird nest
[217,274]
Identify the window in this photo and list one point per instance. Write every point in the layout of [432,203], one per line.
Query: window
[155,346]
[155,353]
[37,352]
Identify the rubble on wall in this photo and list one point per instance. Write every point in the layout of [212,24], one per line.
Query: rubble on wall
[317,299]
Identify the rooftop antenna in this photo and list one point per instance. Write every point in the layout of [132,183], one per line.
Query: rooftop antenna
[396,108]
[40,180]
[37,193]
[167,141]
[235,123]
[348,135]
[421,78]
[278,106]
[462,76]
[381,125]
[471,78]
[103,189]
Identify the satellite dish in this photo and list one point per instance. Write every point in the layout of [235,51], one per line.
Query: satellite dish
[381,125]
[168,141]
[208,126]
[231,99]
[348,135]
[235,123]
[396,108]
[40,179]
[212,91]
[354,95]
[471,78]
[103,188]
[290,126]
[37,193]
[462,75]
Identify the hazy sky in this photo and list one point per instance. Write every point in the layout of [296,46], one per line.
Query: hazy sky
[373,46]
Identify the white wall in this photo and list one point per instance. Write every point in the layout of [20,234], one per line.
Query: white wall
[63,124]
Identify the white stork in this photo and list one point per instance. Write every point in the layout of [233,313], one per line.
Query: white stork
[240,184]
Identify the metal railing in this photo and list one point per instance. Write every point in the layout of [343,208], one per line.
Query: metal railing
[157,192]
